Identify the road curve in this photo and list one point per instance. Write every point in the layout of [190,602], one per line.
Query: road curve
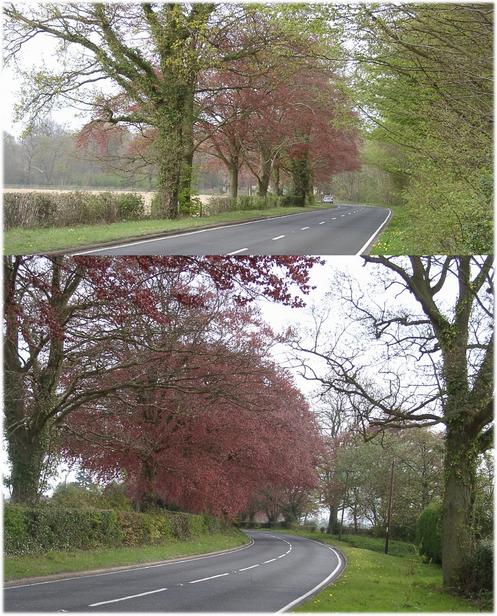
[341,230]
[275,573]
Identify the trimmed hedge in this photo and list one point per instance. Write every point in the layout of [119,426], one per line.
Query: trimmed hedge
[52,209]
[429,538]
[42,529]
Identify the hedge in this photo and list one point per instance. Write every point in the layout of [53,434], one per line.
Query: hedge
[46,528]
[63,209]
[429,537]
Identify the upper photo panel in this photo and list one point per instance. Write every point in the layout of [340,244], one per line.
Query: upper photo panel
[250,129]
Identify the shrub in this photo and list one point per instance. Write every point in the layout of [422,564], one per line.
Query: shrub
[63,209]
[45,528]
[429,537]
[217,205]
[28,210]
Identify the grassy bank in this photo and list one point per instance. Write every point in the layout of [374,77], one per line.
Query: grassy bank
[19,567]
[376,582]
[396,238]
[27,241]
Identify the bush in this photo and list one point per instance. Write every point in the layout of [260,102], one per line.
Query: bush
[47,528]
[477,575]
[429,537]
[218,205]
[63,209]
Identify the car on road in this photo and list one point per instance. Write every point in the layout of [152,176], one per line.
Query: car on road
[327,199]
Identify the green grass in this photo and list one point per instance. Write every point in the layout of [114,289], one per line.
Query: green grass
[396,238]
[19,567]
[27,241]
[376,582]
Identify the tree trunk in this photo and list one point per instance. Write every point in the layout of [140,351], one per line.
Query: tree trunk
[333,521]
[233,171]
[301,178]
[277,180]
[459,493]
[265,175]
[27,455]
[185,191]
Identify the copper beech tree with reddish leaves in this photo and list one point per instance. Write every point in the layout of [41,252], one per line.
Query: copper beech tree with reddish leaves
[75,326]
[289,122]
[205,442]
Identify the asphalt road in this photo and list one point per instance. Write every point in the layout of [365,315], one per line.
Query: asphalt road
[342,230]
[273,574]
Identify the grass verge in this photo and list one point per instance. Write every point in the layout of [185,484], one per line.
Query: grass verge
[27,241]
[19,567]
[376,582]
[396,239]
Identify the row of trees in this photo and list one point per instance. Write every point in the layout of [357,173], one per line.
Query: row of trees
[233,73]
[422,359]
[166,351]
[424,79]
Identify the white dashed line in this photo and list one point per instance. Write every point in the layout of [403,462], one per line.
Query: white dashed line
[322,223]
[142,594]
[208,578]
[278,237]
[247,568]
[334,218]
[304,228]
[235,252]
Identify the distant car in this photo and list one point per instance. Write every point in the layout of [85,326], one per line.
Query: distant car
[327,198]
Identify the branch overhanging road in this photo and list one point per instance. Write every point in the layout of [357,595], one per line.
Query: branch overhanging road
[273,574]
[342,230]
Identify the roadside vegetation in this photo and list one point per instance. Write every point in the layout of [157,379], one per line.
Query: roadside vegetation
[410,126]
[45,238]
[376,582]
[71,560]
[154,378]
[397,237]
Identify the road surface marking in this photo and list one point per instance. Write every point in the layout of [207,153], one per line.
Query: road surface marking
[322,223]
[271,560]
[170,237]
[208,578]
[374,234]
[334,218]
[235,252]
[278,237]
[142,594]
[323,583]
[127,570]
[304,228]
[247,568]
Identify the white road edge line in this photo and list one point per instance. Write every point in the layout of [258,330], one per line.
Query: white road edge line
[271,560]
[374,234]
[278,237]
[208,578]
[247,568]
[142,594]
[164,564]
[169,237]
[235,252]
[313,590]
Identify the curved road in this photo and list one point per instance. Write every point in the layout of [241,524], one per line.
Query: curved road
[273,574]
[341,230]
